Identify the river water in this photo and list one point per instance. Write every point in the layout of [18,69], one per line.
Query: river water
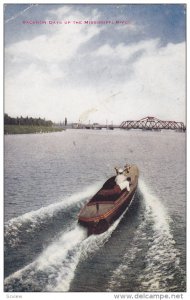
[49,177]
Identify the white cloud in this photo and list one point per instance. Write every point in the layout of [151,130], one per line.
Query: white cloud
[158,84]
[49,77]
[131,28]
[61,12]
[58,47]
[122,51]
[60,42]
[69,13]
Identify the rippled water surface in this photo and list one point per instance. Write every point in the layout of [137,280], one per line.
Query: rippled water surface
[49,177]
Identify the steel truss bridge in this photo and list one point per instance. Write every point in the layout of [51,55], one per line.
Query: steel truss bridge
[151,123]
[148,123]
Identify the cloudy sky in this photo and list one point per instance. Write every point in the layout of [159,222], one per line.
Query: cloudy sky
[115,72]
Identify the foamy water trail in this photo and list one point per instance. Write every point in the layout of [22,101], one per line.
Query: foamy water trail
[161,259]
[58,258]
[88,246]
[34,219]
[120,274]
[55,268]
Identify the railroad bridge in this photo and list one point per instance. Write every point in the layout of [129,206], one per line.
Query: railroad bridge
[151,123]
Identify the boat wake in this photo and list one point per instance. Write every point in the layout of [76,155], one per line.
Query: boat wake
[152,246]
[162,258]
[54,268]
[160,262]
[34,220]
[58,260]
[119,275]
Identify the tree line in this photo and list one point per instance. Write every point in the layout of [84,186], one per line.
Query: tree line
[26,121]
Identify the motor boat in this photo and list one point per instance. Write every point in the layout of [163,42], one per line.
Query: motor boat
[109,203]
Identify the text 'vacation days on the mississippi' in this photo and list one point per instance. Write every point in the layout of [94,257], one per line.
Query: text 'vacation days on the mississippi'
[75,22]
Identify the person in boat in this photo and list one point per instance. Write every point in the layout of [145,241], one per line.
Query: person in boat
[127,168]
[122,180]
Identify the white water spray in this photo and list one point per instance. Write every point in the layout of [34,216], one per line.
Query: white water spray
[130,256]
[59,260]
[34,219]
[89,246]
[161,252]
[162,258]
[60,257]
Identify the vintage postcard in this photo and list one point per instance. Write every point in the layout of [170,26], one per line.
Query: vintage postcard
[95,149]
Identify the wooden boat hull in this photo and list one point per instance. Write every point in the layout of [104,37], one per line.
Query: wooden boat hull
[102,224]
[101,212]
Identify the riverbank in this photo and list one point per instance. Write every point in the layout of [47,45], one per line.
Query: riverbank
[24,129]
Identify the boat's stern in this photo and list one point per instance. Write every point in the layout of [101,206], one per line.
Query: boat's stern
[95,227]
[95,217]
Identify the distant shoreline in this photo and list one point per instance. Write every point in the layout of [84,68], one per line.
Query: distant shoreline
[27,129]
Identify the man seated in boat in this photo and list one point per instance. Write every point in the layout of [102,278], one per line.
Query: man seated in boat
[125,170]
[122,180]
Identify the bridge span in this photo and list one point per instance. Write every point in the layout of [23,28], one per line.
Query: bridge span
[148,123]
[151,123]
